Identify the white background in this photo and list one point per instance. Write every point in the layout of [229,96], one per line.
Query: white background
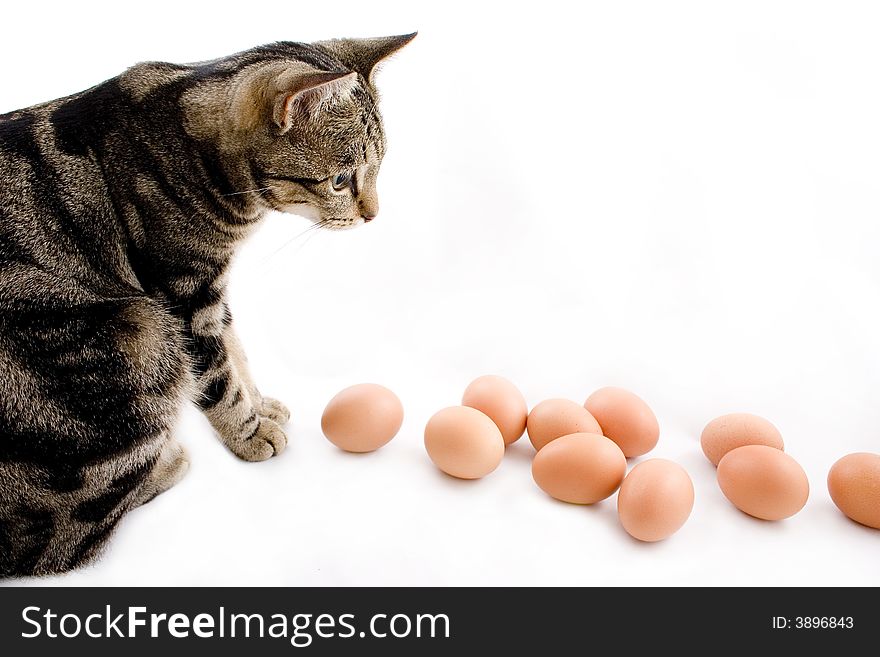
[677,198]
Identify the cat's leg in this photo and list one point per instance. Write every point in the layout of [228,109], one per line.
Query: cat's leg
[91,394]
[61,516]
[269,407]
[228,397]
[171,465]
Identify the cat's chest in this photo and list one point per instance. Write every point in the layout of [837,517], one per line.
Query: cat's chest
[186,280]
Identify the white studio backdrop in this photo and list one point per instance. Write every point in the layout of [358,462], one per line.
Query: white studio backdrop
[678,198]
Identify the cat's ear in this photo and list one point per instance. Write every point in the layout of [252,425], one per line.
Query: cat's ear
[363,55]
[307,91]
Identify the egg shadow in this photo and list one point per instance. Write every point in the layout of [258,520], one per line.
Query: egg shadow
[826,511]
[647,545]
[867,530]
[451,481]
[520,452]
[356,455]
[777,526]
[605,508]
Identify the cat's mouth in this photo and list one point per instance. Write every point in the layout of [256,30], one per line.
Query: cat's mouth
[340,224]
[329,223]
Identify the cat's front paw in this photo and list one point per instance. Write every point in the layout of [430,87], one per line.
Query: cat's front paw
[267,441]
[275,410]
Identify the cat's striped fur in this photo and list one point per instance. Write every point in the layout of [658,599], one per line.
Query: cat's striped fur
[120,209]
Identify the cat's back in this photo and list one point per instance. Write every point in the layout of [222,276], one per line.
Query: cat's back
[55,213]
[20,158]
[47,148]
[73,169]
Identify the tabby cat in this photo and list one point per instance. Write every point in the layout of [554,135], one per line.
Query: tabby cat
[120,210]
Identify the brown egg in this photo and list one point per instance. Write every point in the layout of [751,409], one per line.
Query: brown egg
[854,484]
[553,418]
[464,442]
[763,482]
[581,468]
[500,400]
[736,430]
[626,419]
[362,418]
[655,500]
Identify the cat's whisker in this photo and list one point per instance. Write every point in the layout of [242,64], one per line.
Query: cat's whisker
[251,191]
[314,227]
[306,241]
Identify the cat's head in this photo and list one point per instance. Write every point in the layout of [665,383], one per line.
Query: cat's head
[302,121]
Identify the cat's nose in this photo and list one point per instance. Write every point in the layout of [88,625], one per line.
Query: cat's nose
[369,208]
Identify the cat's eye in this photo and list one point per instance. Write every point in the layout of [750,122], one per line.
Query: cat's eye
[340,181]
